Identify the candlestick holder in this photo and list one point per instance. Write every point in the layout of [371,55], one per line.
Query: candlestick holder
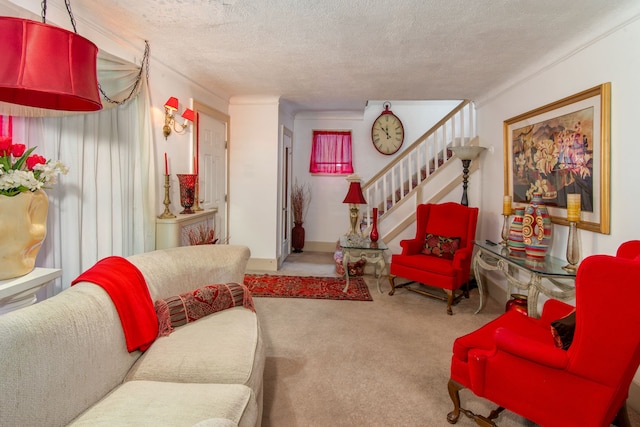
[196,202]
[505,230]
[167,201]
[573,248]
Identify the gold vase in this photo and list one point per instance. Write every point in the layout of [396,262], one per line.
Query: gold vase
[23,227]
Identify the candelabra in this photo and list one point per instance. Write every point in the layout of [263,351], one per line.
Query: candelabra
[167,201]
[505,230]
[196,202]
[506,213]
[573,247]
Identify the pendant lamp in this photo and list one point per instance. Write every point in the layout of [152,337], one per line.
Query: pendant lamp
[47,66]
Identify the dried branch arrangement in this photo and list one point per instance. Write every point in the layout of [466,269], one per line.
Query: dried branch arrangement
[300,198]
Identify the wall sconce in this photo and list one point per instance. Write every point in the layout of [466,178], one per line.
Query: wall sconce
[169,121]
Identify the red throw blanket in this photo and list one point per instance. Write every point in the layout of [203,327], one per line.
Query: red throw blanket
[128,290]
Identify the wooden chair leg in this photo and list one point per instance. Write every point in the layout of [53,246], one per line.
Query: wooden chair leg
[449,301]
[454,393]
[393,285]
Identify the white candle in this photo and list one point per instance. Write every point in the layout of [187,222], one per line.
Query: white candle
[573,207]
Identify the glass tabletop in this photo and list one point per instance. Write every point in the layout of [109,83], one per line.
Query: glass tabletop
[359,242]
[550,266]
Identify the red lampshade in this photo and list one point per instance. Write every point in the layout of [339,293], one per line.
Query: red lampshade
[188,114]
[172,104]
[47,67]
[355,195]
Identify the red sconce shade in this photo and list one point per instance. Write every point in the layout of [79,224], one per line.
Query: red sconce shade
[354,195]
[188,114]
[47,67]
[172,104]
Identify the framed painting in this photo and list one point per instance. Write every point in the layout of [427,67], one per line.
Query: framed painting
[563,148]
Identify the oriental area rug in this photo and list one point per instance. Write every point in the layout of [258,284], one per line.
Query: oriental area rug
[307,287]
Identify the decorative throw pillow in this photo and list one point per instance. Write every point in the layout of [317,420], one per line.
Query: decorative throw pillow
[440,246]
[188,307]
[562,330]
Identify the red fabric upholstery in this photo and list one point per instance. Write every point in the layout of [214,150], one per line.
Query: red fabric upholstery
[448,220]
[513,361]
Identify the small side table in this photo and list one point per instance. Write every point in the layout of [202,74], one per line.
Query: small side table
[21,291]
[354,249]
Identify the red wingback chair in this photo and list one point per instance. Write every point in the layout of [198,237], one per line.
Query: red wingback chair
[514,360]
[448,272]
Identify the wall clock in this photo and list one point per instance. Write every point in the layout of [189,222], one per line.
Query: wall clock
[387,132]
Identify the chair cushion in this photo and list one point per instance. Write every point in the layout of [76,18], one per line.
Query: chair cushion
[437,265]
[440,246]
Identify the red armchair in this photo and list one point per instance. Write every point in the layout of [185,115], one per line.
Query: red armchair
[515,362]
[441,266]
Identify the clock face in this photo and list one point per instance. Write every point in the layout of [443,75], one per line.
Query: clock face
[387,133]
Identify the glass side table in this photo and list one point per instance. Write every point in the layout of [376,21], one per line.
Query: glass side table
[355,248]
[545,276]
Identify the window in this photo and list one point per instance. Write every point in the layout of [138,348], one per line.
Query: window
[331,153]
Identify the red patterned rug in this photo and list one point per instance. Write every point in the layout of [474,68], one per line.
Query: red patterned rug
[307,287]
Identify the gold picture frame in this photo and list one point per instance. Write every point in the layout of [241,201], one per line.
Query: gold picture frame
[562,148]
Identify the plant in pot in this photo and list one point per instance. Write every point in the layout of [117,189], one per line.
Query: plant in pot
[23,205]
[300,198]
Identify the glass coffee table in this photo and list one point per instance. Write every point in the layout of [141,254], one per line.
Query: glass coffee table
[355,248]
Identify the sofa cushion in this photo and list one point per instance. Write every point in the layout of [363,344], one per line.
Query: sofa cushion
[225,347]
[172,404]
[190,306]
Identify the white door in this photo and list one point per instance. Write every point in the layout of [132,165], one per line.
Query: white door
[285,220]
[212,168]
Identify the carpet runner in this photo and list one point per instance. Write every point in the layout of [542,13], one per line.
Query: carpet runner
[307,287]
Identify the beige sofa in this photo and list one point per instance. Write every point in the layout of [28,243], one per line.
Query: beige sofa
[64,360]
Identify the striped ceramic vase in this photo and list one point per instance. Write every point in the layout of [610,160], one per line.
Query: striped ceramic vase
[536,228]
[515,243]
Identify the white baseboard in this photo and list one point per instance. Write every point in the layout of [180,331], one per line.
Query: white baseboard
[262,264]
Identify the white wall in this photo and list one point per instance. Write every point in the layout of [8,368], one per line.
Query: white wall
[253,176]
[327,216]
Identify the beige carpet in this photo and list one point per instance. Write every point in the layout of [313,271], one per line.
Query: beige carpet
[353,363]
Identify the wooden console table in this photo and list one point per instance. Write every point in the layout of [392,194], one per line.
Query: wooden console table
[545,276]
[21,291]
[173,232]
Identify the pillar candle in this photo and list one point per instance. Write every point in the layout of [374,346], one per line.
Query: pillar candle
[573,207]
[506,205]
[166,165]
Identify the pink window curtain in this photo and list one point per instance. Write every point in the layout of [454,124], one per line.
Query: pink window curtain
[331,153]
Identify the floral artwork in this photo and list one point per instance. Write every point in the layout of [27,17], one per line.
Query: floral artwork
[555,158]
[559,149]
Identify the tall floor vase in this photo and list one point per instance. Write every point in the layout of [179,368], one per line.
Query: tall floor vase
[297,237]
[23,227]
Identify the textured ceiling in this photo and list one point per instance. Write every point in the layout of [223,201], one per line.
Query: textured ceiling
[337,54]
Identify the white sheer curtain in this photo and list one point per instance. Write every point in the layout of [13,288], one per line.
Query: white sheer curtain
[106,204]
